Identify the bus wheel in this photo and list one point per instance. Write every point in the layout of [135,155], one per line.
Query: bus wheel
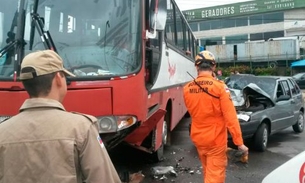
[166,130]
[159,154]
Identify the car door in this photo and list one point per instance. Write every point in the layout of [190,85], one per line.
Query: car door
[282,114]
[297,97]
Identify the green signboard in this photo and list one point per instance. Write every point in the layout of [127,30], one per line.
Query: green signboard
[244,8]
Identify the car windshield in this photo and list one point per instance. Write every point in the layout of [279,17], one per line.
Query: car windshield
[239,82]
[94,38]
[298,76]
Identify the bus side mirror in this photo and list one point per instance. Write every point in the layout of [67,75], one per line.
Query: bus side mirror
[158,14]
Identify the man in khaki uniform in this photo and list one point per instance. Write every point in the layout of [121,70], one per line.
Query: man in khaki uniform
[46,144]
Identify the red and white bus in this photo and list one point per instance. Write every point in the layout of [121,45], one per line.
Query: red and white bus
[130,58]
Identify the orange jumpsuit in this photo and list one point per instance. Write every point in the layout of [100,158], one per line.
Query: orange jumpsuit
[211,117]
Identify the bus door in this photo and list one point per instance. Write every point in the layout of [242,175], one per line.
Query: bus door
[152,60]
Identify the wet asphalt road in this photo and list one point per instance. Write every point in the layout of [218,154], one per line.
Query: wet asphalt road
[182,155]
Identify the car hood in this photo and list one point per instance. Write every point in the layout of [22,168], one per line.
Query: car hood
[239,96]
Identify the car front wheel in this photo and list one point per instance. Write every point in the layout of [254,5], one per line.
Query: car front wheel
[299,126]
[261,138]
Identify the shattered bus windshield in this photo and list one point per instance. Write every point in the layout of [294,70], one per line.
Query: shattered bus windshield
[94,38]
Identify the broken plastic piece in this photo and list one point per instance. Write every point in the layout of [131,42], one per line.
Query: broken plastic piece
[180,159]
[162,170]
[173,172]
[163,177]
[198,172]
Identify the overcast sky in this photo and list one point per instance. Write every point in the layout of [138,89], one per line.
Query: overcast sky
[193,4]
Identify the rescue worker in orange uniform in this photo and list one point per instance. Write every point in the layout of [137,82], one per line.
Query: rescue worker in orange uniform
[212,113]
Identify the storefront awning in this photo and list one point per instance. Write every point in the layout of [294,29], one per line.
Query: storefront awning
[299,63]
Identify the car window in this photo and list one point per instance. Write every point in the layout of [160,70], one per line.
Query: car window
[286,88]
[294,88]
[279,90]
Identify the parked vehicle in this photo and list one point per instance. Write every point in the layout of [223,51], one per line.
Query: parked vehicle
[291,171]
[266,105]
[300,79]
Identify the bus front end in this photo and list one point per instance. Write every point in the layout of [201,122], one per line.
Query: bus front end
[100,41]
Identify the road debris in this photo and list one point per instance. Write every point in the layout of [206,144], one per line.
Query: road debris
[136,177]
[198,172]
[163,177]
[180,159]
[163,170]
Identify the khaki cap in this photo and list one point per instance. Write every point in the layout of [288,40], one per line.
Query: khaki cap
[43,62]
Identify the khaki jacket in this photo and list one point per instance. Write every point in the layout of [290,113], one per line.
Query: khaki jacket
[46,144]
[211,117]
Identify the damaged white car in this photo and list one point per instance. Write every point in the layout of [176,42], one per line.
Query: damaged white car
[266,105]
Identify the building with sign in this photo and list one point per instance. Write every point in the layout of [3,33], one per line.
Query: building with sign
[251,21]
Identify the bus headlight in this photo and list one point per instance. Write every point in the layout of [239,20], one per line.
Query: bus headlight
[108,124]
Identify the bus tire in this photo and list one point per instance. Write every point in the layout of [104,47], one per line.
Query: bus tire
[167,134]
[158,155]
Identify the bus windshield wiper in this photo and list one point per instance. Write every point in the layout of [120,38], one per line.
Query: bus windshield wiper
[11,41]
[8,47]
[44,35]
[32,31]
